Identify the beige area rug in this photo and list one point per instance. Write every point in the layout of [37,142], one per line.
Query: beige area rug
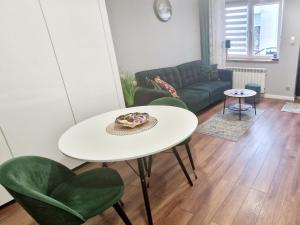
[291,107]
[228,126]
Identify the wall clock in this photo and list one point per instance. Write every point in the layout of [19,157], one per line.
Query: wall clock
[163,10]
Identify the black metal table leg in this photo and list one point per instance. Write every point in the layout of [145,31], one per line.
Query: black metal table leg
[224,107]
[122,214]
[145,191]
[145,165]
[254,103]
[149,165]
[240,109]
[182,166]
[187,146]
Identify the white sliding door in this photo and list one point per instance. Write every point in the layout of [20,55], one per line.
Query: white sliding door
[34,108]
[81,37]
[4,156]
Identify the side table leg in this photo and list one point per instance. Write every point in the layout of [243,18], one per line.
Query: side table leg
[224,107]
[145,191]
[240,110]
[254,103]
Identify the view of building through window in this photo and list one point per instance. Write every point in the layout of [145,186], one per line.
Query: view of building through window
[252,28]
[265,30]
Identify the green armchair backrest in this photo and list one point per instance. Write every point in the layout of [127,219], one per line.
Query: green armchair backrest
[30,180]
[170,101]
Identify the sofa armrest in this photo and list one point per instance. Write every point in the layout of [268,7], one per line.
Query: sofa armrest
[143,96]
[225,75]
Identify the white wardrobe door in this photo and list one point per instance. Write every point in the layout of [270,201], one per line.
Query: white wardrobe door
[4,156]
[34,109]
[82,43]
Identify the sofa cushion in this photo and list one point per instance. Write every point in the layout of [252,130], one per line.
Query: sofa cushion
[208,72]
[190,72]
[214,73]
[170,75]
[194,99]
[212,87]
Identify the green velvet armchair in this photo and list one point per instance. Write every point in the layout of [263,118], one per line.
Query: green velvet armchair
[54,195]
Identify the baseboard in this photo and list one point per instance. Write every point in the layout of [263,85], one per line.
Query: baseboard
[282,97]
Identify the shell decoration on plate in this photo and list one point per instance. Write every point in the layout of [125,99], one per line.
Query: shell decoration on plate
[132,120]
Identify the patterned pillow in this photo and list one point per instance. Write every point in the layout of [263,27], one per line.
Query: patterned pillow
[153,84]
[165,86]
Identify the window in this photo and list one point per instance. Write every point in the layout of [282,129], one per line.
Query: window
[253,26]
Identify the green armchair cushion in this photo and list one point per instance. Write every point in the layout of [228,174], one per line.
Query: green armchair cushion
[30,180]
[33,174]
[51,193]
[92,192]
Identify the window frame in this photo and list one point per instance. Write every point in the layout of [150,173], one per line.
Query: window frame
[250,25]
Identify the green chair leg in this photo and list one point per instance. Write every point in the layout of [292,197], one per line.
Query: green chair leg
[182,166]
[187,146]
[122,214]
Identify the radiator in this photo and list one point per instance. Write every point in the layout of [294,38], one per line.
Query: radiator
[243,76]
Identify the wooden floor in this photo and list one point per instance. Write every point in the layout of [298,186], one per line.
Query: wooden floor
[255,181]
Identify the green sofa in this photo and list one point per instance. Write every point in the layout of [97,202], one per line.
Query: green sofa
[191,81]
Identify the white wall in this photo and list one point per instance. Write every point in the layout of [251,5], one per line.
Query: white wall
[283,74]
[82,45]
[142,42]
[5,154]
[57,67]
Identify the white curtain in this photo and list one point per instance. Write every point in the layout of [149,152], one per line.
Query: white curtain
[217,32]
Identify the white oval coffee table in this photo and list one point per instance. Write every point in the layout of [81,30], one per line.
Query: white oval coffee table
[240,94]
[90,141]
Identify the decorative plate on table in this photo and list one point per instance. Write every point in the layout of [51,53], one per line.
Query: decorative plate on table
[132,120]
[131,123]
